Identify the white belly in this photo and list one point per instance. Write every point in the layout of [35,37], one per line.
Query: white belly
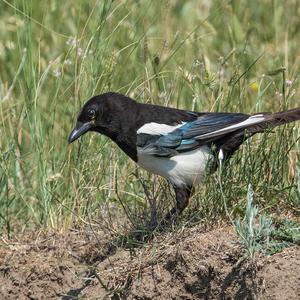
[183,169]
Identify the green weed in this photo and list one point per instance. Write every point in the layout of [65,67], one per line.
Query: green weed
[198,55]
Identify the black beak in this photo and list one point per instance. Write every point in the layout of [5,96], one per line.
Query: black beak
[80,129]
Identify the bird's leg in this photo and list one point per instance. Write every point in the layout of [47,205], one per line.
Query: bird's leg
[182,200]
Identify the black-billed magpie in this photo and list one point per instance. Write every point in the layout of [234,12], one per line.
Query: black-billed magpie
[176,144]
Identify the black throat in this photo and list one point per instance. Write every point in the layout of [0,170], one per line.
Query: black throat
[125,122]
[124,136]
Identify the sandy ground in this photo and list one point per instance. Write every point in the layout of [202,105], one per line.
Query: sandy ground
[187,264]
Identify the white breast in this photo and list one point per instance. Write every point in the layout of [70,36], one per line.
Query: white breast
[184,169]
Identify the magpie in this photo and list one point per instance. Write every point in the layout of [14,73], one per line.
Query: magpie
[173,143]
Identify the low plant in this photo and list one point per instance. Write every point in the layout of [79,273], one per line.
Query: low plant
[254,230]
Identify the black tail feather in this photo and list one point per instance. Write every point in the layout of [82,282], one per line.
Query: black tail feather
[231,142]
[279,118]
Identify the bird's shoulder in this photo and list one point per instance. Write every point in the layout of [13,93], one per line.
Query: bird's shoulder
[168,132]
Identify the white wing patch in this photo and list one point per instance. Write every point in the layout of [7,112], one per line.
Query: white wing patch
[158,129]
[250,121]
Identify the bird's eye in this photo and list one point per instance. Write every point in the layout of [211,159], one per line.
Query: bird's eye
[91,113]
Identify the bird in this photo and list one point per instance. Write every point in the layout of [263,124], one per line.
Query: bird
[176,144]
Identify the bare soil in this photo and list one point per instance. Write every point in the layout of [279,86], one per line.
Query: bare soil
[187,264]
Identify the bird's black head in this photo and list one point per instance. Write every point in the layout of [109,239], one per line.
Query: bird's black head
[102,113]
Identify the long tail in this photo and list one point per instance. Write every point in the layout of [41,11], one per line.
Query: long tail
[231,143]
[279,118]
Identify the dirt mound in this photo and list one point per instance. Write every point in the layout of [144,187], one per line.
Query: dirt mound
[190,264]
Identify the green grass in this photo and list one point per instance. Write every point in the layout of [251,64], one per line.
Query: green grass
[197,55]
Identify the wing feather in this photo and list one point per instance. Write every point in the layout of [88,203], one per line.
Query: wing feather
[190,135]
